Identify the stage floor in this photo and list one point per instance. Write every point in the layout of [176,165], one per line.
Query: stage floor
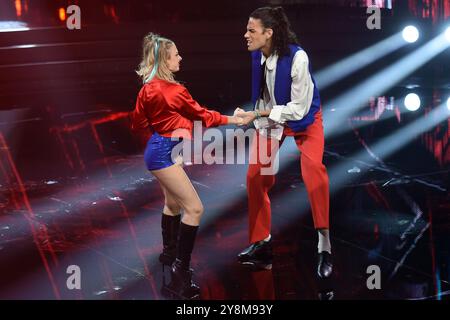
[106,221]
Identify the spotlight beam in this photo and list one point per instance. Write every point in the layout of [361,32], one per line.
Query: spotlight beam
[447,34]
[338,174]
[353,100]
[390,144]
[357,61]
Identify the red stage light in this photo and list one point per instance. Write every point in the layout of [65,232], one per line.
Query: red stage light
[62,14]
[18,5]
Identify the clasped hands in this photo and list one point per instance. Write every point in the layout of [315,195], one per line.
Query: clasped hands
[243,117]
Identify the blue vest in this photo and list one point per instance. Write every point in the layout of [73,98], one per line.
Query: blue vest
[283,82]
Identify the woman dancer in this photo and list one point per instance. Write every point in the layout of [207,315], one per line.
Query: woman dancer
[164,105]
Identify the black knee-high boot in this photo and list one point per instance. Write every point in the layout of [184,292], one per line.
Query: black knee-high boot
[170,226]
[181,285]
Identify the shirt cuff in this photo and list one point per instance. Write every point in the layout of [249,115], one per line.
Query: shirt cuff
[223,120]
[275,113]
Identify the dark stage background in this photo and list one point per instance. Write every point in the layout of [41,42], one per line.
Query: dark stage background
[74,190]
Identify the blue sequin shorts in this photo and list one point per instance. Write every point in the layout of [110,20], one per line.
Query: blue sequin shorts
[158,153]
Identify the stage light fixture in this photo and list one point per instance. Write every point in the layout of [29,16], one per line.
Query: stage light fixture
[410,34]
[412,102]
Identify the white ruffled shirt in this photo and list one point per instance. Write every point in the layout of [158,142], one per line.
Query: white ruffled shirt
[302,91]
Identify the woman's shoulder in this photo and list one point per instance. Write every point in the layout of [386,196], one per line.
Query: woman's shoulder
[163,86]
[166,90]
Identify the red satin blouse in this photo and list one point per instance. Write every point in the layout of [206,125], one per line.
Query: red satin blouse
[164,106]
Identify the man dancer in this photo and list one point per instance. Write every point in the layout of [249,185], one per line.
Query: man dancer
[287,103]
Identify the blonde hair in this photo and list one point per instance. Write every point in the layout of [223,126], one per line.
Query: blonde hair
[148,58]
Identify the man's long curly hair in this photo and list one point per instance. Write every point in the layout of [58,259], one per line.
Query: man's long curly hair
[276,19]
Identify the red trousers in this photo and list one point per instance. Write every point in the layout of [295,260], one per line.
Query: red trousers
[311,144]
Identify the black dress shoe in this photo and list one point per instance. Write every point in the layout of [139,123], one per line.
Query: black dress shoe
[258,255]
[329,295]
[324,266]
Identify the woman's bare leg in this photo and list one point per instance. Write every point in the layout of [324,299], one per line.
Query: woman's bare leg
[171,206]
[178,186]
[178,189]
